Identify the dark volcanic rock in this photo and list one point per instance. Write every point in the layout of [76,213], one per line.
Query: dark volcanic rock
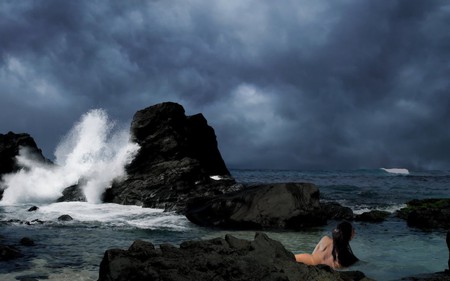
[427,213]
[177,156]
[72,193]
[33,208]
[373,216]
[262,259]
[10,146]
[65,218]
[283,205]
[334,211]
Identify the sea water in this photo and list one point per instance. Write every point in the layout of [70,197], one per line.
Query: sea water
[73,250]
[95,151]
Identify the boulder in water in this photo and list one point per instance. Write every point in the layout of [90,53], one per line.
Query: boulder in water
[375,216]
[335,211]
[177,157]
[427,213]
[71,194]
[65,218]
[278,206]
[33,209]
[216,259]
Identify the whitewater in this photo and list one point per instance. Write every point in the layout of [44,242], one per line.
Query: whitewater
[94,153]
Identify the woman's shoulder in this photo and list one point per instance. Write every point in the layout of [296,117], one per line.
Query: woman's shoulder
[324,243]
[326,239]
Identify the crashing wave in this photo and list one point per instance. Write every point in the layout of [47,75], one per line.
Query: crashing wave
[398,171]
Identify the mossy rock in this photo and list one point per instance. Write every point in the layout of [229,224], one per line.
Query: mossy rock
[374,216]
[427,213]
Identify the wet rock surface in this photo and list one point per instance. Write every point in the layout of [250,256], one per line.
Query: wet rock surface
[177,157]
[218,259]
[278,206]
[10,146]
[65,218]
[71,194]
[427,213]
[374,216]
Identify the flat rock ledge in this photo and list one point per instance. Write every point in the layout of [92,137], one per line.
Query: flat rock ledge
[229,258]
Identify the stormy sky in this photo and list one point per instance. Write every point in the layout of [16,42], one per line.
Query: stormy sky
[290,84]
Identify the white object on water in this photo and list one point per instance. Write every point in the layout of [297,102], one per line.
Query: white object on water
[216,178]
[400,171]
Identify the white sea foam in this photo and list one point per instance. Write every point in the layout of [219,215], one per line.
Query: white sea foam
[391,209]
[92,153]
[99,215]
[400,171]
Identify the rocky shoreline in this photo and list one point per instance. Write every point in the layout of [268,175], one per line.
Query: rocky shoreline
[228,258]
[179,168]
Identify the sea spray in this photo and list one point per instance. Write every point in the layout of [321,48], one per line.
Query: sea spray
[92,154]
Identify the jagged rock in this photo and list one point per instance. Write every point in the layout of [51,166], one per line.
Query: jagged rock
[33,208]
[35,221]
[373,216]
[177,157]
[335,211]
[427,213]
[65,218]
[72,193]
[10,145]
[216,259]
[281,206]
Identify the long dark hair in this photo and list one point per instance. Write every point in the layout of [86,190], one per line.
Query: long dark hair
[342,252]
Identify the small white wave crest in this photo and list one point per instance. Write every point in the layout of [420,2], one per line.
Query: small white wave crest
[398,171]
[358,210]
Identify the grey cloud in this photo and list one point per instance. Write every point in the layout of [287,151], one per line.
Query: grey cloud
[298,84]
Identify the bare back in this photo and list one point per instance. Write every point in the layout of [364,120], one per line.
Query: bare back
[322,254]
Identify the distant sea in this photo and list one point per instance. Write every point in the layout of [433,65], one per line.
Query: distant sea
[388,251]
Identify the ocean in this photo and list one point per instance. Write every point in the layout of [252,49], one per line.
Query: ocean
[73,250]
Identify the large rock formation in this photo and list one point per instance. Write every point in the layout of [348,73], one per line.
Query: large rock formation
[427,213]
[279,206]
[217,259]
[10,146]
[178,155]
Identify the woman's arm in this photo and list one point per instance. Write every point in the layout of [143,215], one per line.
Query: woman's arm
[306,259]
[315,257]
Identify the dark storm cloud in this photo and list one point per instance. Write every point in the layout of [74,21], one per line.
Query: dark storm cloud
[285,84]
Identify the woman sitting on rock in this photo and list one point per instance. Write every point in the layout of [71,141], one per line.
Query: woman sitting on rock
[335,252]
